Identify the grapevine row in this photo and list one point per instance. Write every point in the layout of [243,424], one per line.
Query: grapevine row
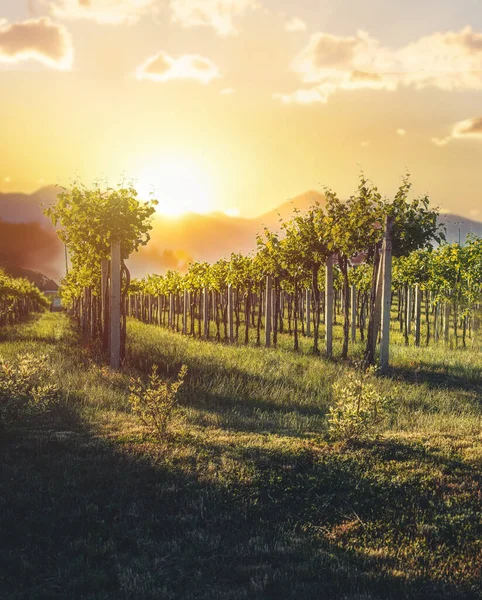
[18,299]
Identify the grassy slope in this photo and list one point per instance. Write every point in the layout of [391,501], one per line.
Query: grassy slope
[247,499]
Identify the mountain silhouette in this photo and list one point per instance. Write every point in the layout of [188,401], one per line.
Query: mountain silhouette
[27,208]
[174,241]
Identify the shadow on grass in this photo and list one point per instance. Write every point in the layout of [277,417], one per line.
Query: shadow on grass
[439,376]
[83,517]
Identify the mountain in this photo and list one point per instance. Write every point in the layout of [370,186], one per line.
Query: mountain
[284,211]
[27,238]
[27,208]
[194,237]
[43,283]
[458,228]
[30,246]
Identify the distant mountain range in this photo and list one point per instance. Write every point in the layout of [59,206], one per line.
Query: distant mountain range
[27,238]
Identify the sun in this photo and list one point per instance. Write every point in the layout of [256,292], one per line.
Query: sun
[180,187]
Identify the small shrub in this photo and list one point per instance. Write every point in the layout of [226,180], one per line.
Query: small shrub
[25,388]
[358,407]
[155,403]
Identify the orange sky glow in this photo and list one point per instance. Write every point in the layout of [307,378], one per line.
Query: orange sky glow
[237,105]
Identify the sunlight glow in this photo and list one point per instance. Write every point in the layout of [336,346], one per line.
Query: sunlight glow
[180,188]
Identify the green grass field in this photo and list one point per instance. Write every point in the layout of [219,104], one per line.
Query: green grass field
[247,498]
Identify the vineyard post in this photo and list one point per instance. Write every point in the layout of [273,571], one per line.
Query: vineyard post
[230,314]
[92,314]
[115,305]
[308,313]
[386,295]
[446,321]
[149,300]
[85,311]
[268,311]
[329,306]
[418,305]
[184,312]
[436,322]
[206,313]
[353,314]
[409,310]
[170,323]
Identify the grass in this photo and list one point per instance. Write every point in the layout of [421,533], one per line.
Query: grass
[247,498]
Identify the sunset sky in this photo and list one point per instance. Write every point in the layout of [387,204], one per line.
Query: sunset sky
[238,105]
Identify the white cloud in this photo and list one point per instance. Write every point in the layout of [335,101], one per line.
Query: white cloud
[469,128]
[227,92]
[37,39]
[162,67]
[441,141]
[218,14]
[329,63]
[110,12]
[302,97]
[295,24]
[401,132]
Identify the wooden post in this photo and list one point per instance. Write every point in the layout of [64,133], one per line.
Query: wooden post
[353,314]
[115,305]
[149,308]
[206,313]
[409,310]
[386,295]
[446,321]
[185,312]
[329,306]
[268,311]
[85,311]
[418,306]
[230,314]
[308,313]
[171,312]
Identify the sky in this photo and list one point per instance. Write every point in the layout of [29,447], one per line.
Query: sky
[239,105]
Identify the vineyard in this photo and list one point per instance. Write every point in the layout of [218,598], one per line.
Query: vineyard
[302,422]
[327,266]
[18,299]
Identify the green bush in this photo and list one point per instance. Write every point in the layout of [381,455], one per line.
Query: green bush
[358,406]
[155,403]
[25,388]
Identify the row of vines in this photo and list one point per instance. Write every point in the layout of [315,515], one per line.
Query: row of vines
[331,264]
[436,292]
[18,299]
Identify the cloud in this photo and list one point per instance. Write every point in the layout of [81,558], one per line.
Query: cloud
[329,63]
[108,12]
[470,128]
[162,67]
[295,24]
[38,39]
[218,14]
[227,91]
[401,132]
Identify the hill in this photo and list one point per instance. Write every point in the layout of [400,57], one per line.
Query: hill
[27,208]
[174,241]
[43,282]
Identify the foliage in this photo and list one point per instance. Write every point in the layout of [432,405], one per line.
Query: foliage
[17,295]
[358,406]
[25,387]
[155,403]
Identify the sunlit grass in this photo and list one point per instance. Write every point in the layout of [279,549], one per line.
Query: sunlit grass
[247,498]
